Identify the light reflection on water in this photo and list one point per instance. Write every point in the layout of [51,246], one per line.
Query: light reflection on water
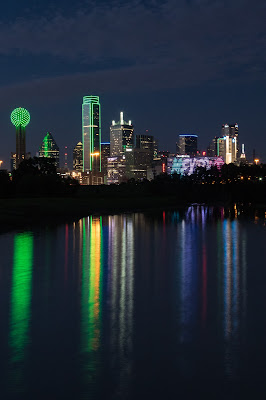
[121,277]
[91,293]
[20,308]
[124,306]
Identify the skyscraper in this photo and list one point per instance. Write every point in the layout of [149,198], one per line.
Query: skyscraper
[230,135]
[188,145]
[243,155]
[121,137]
[221,147]
[78,157]
[216,147]
[20,117]
[137,161]
[146,142]
[49,148]
[91,134]
[105,147]
[230,130]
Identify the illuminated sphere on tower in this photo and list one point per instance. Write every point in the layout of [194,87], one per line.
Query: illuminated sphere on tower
[20,117]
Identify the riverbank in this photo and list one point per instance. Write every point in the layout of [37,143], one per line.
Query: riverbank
[24,211]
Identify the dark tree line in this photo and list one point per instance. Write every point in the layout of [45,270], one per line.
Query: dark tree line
[244,183]
[35,176]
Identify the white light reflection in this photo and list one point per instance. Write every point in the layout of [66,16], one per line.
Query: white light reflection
[234,294]
[121,278]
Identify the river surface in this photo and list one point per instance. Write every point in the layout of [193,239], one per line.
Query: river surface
[135,306]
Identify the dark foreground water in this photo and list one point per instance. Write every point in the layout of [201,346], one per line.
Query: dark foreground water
[135,306]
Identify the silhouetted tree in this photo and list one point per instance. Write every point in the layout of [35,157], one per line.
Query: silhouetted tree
[5,183]
[38,176]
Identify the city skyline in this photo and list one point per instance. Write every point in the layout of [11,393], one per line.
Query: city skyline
[92,132]
[167,141]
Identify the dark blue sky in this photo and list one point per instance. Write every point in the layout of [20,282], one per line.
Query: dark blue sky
[172,66]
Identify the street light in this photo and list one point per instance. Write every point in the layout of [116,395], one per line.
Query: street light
[256,161]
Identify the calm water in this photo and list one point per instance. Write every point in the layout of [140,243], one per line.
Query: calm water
[135,306]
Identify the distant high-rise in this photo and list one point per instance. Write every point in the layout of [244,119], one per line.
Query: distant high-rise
[20,117]
[215,147]
[105,149]
[156,144]
[243,154]
[121,137]
[137,162]
[230,135]
[188,145]
[221,148]
[78,157]
[91,133]
[230,130]
[49,148]
[146,142]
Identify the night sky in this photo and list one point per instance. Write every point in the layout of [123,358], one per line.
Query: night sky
[172,66]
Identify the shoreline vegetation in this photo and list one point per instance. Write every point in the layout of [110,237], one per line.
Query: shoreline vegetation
[37,195]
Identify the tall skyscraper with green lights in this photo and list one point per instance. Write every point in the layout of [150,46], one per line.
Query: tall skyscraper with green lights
[49,149]
[91,134]
[20,118]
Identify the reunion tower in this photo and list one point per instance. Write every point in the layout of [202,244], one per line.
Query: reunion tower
[20,117]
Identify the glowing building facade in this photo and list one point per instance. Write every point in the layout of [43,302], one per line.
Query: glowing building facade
[121,137]
[78,157]
[91,134]
[116,170]
[188,165]
[49,149]
[20,118]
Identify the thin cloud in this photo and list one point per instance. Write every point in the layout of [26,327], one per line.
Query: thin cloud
[138,46]
[143,35]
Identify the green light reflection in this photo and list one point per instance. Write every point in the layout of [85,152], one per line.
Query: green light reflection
[91,291]
[20,314]
[21,294]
